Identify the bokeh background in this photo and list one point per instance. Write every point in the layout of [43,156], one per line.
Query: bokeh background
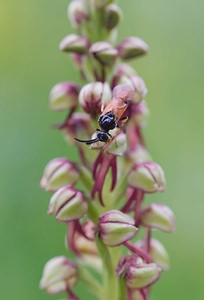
[30,64]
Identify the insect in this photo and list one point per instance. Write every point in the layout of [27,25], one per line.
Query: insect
[110,118]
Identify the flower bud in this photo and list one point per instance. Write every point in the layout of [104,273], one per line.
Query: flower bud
[58,173]
[143,275]
[138,274]
[77,13]
[74,43]
[77,124]
[67,204]
[58,274]
[93,95]
[124,91]
[140,113]
[138,155]
[122,74]
[148,177]
[158,216]
[115,228]
[118,145]
[113,16]
[139,86]
[132,47]
[104,53]
[159,254]
[64,96]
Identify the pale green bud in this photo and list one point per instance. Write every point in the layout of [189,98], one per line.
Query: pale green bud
[67,204]
[115,228]
[142,275]
[93,96]
[140,114]
[104,53]
[159,254]
[64,96]
[58,274]
[113,15]
[138,155]
[132,47]
[158,216]
[57,173]
[118,145]
[77,12]
[74,43]
[148,177]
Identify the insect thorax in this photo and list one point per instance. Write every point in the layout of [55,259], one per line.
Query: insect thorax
[107,121]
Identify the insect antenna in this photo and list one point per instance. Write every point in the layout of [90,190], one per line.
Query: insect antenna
[88,142]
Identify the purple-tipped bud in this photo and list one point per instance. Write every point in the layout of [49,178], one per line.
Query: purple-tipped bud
[132,47]
[148,177]
[159,254]
[118,146]
[158,216]
[124,91]
[74,43]
[115,228]
[59,274]
[57,173]
[64,96]
[76,124]
[67,204]
[104,53]
[138,274]
[93,95]
[140,114]
[139,86]
[77,12]
[113,16]
[138,155]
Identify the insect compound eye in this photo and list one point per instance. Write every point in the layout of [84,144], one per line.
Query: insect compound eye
[102,136]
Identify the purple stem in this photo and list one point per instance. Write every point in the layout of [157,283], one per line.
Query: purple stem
[138,252]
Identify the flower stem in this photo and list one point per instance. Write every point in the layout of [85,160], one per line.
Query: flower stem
[110,279]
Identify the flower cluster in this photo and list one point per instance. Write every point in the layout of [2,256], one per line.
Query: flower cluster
[101,197]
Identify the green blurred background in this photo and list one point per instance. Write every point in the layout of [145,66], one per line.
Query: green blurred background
[30,64]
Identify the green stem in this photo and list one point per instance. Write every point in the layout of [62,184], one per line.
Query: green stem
[122,289]
[109,276]
[85,177]
[89,281]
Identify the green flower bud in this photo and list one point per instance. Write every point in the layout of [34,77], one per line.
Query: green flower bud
[140,114]
[139,86]
[132,47]
[138,155]
[104,53]
[64,96]
[118,146]
[57,173]
[142,275]
[115,228]
[58,274]
[159,254]
[137,273]
[67,204]
[93,95]
[158,216]
[77,13]
[113,16]
[74,43]
[148,177]
[124,91]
